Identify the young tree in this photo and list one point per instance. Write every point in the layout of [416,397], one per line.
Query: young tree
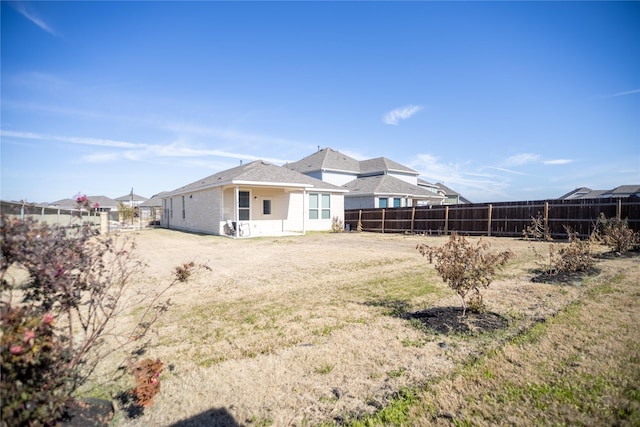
[466,268]
[59,323]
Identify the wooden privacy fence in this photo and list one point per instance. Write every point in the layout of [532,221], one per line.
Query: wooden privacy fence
[507,219]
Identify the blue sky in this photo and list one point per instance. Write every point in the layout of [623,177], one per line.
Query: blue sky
[498,100]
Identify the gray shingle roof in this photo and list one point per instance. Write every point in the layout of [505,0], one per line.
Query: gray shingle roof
[326,159]
[382,164]
[127,198]
[258,172]
[387,185]
[587,193]
[103,201]
[626,190]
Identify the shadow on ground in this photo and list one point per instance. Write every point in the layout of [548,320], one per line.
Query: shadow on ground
[216,417]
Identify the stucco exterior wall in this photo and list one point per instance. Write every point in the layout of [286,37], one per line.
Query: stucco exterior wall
[337,210]
[199,211]
[411,179]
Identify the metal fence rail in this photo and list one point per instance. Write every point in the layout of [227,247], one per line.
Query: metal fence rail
[507,219]
[49,215]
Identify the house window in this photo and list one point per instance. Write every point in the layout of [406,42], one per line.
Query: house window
[172,207]
[244,199]
[319,206]
[313,206]
[383,202]
[266,207]
[184,211]
[396,202]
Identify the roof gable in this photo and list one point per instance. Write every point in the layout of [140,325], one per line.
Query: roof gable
[326,159]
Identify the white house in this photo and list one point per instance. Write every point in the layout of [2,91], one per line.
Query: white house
[255,199]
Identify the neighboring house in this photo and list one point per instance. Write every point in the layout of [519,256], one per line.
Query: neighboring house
[151,210]
[451,197]
[373,183]
[105,204]
[131,200]
[256,199]
[587,193]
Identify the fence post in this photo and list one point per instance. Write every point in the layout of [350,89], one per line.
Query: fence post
[413,217]
[446,220]
[489,222]
[619,210]
[382,220]
[104,223]
[359,224]
[546,218]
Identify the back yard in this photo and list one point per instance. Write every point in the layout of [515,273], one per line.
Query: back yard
[333,328]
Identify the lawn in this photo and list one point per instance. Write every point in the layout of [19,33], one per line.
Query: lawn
[358,328]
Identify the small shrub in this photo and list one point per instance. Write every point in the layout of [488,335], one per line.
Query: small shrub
[337,226]
[616,234]
[536,229]
[568,258]
[147,377]
[465,267]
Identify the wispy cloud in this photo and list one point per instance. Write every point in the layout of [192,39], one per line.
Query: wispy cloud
[627,92]
[24,9]
[527,158]
[401,113]
[72,140]
[136,151]
[522,159]
[557,162]
[471,183]
[506,170]
[223,134]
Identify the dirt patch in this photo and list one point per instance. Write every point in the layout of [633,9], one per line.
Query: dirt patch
[449,320]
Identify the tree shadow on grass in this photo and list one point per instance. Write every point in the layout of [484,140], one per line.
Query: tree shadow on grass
[443,320]
[215,417]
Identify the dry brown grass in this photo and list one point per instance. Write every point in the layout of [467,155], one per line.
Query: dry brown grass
[581,367]
[304,330]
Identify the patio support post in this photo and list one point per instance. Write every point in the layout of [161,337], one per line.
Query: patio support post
[236,209]
[304,211]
